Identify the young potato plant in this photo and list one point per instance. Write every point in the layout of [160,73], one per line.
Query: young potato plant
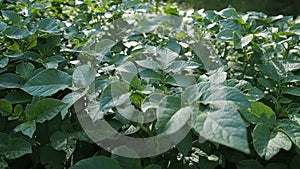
[227,82]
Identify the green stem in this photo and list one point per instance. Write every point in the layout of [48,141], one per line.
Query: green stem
[146,130]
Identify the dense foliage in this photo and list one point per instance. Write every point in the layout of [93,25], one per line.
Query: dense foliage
[244,107]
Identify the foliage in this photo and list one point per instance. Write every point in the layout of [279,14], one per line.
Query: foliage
[245,114]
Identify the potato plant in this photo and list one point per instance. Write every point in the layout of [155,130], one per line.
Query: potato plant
[226,81]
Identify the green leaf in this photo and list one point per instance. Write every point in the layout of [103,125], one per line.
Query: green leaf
[96,162]
[43,110]
[69,100]
[48,25]
[63,141]
[13,148]
[114,95]
[2,26]
[149,74]
[225,35]
[221,122]
[185,145]
[166,57]
[181,80]
[3,62]
[16,32]
[18,96]
[47,82]
[268,143]
[270,71]
[14,17]
[148,64]
[263,113]
[25,69]
[295,91]
[5,107]
[45,45]
[291,129]
[83,76]
[28,128]
[237,41]
[10,80]
[246,40]
[228,13]
[174,46]
[171,118]
[268,83]
[249,164]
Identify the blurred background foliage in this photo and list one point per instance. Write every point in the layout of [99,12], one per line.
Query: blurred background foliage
[270,7]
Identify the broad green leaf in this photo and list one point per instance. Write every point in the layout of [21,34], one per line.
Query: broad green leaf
[237,41]
[63,141]
[3,62]
[263,113]
[43,110]
[174,46]
[13,148]
[223,126]
[268,83]
[268,143]
[97,162]
[246,40]
[14,17]
[228,13]
[27,128]
[185,145]
[45,45]
[128,72]
[219,95]
[291,129]
[221,122]
[47,82]
[148,64]
[69,100]
[25,69]
[149,74]
[10,80]
[114,95]
[16,32]
[180,80]
[5,107]
[152,101]
[165,57]
[270,71]
[83,76]
[48,25]
[18,96]
[225,35]
[249,164]
[168,108]
[2,26]
[295,91]
[124,162]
